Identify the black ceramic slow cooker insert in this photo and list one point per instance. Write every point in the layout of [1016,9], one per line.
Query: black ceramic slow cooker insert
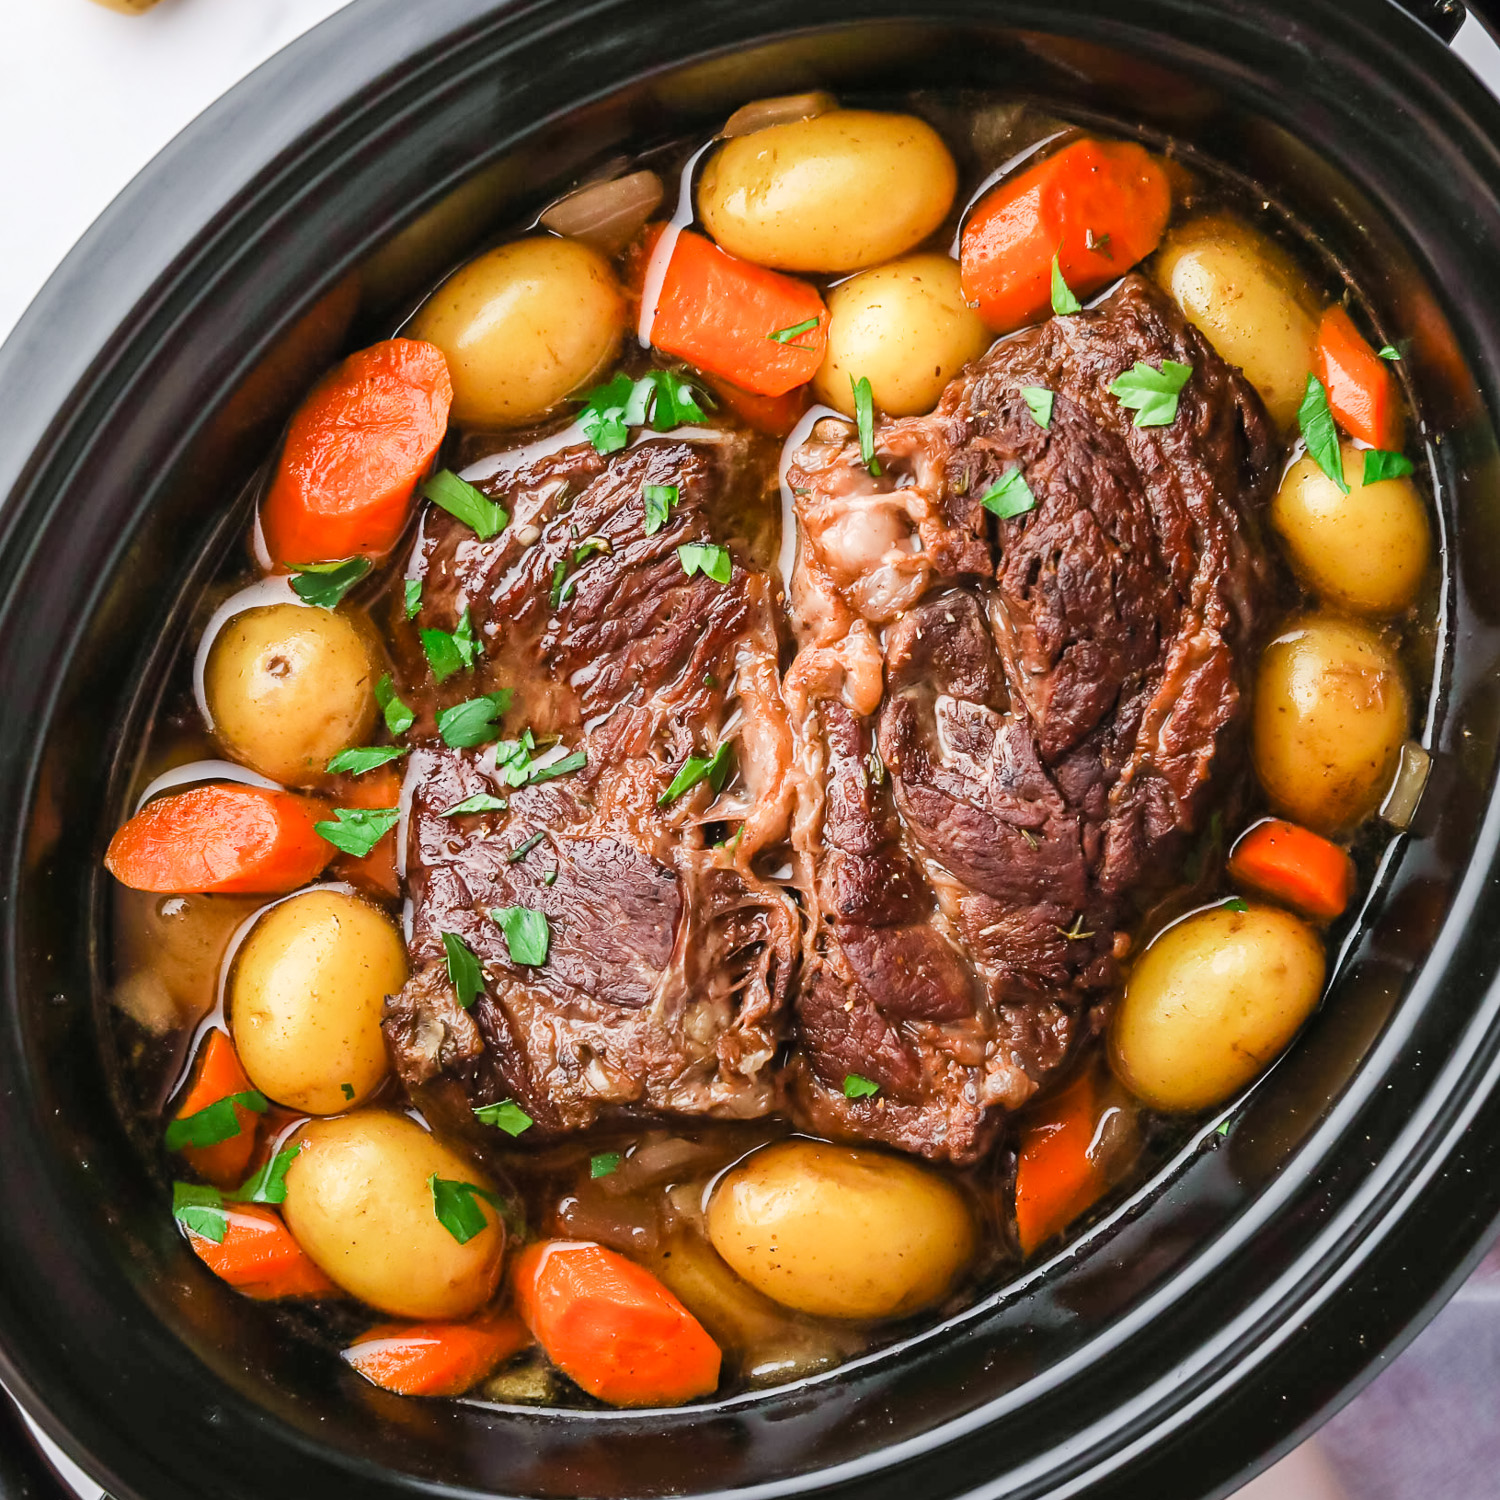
[1210,1319]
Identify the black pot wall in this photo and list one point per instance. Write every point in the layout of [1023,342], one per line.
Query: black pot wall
[1208,1320]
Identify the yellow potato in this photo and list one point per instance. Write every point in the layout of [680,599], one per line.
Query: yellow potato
[836,192]
[1331,712]
[360,1201]
[1367,550]
[1211,1002]
[1249,300]
[839,1232]
[288,687]
[904,327]
[523,326]
[306,996]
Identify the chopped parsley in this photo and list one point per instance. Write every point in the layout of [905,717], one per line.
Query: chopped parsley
[1389,351]
[550,878]
[456,1206]
[604,1164]
[561,590]
[714,769]
[447,654]
[659,397]
[464,973]
[1382,465]
[1038,401]
[521,850]
[201,1210]
[1319,432]
[473,722]
[326,583]
[219,1121]
[358,829]
[347,1089]
[1064,303]
[707,558]
[461,500]
[660,498]
[412,588]
[1010,497]
[516,766]
[1151,394]
[527,933]
[786,335]
[1223,1129]
[480,802]
[590,545]
[268,1185]
[1236,903]
[864,422]
[507,1115]
[398,717]
[365,758]
[856,1087]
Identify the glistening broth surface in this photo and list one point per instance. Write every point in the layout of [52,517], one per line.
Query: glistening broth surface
[801,746]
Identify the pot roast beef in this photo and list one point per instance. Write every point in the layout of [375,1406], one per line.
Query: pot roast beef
[1058,687]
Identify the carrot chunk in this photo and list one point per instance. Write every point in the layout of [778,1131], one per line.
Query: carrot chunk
[259,1257]
[1098,206]
[375,874]
[1361,390]
[1056,1178]
[1294,865]
[221,837]
[219,1076]
[355,452]
[436,1359]
[612,1327]
[720,314]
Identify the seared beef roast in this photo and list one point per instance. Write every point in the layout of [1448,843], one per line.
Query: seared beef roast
[665,982]
[1058,687]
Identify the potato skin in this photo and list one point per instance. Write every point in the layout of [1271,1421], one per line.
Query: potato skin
[837,192]
[905,328]
[839,1232]
[522,326]
[1247,297]
[288,687]
[1366,551]
[1331,712]
[359,1203]
[306,995]
[1211,1002]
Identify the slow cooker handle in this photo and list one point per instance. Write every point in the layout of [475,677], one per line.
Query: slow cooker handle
[24,1473]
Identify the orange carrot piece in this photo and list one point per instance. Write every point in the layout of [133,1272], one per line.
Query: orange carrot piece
[1056,1179]
[376,872]
[1294,865]
[612,1327]
[260,1258]
[1098,206]
[355,452]
[1361,389]
[222,837]
[436,1359]
[718,313]
[774,415]
[219,1076]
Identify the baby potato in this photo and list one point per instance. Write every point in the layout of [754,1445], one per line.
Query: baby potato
[838,1232]
[1211,1002]
[360,1202]
[1366,550]
[836,192]
[904,327]
[523,326]
[288,687]
[305,1000]
[1331,713]
[1247,297]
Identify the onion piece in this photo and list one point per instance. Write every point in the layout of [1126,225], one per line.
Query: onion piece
[782,110]
[606,215]
[1401,802]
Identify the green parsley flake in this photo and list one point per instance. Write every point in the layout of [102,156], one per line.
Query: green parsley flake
[358,829]
[1236,903]
[464,973]
[707,558]
[516,766]
[660,498]
[1389,351]
[461,500]
[443,656]
[480,802]
[1319,432]
[326,584]
[507,1115]
[590,545]
[412,588]
[1382,465]
[219,1121]
[521,850]
[268,1185]
[550,878]
[398,717]
[1064,303]
[856,1087]
[605,1164]
[1223,1129]
[786,335]
[864,422]
[200,1210]
[456,1206]
[713,769]
[472,722]
[1010,497]
[1038,401]
[1152,394]
[347,1089]
[365,758]
[527,934]
[659,397]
